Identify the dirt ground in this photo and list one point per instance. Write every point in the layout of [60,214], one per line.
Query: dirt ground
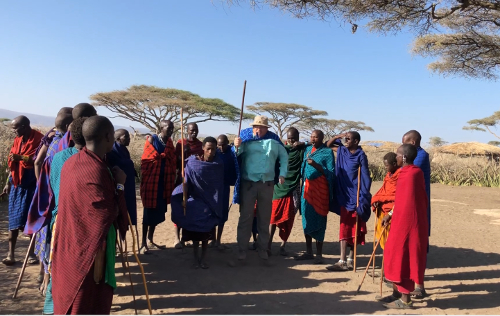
[463,275]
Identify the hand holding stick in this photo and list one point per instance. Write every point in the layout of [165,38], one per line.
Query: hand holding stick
[184,193]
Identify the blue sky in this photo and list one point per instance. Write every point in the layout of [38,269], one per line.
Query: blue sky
[57,53]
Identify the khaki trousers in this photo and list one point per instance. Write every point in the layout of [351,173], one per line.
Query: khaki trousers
[262,193]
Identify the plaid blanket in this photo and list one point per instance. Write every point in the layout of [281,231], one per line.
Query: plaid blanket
[151,161]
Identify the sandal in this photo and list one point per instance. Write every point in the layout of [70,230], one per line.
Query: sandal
[304,256]
[33,260]
[318,260]
[9,261]
[144,250]
[419,293]
[399,304]
[204,266]
[350,264]
[283,252]
[178,245]
[339,266]
[386,299]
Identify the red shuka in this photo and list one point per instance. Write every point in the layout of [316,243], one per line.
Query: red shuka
[405,252]
[27,149]
[88,207]
[150,173]
[385,196]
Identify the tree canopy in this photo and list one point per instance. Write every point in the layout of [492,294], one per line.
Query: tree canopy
[149,105]
[463,35]
[485,124]
[494,143]
[436,141]
[332,127]
[285,115]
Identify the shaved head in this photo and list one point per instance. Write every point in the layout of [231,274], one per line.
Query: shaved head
[223,137]
[76,131]
[95,128]
[65,110]
[412,137]
[83,110]
[408,151]
[62,122]
[21,120]
[120,132]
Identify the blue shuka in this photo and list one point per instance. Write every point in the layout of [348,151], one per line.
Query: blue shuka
[230,174]
[246,135]
[347,181]
[205,187]
[120,157]
[422,161]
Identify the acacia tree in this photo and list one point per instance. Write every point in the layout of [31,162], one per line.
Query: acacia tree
[149,105]
[285,115]
[436,141]
[485,124]
[331,127]
[494,143]
[464,35]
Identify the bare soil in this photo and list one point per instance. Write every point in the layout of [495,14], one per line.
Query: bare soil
[463,275]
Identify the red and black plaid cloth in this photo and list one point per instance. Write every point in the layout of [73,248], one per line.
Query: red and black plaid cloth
[150,173]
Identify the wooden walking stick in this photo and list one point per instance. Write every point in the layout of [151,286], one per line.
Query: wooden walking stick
[127,268]
[357,220]
[184,193]
[381,276]
[374,239]
[242,106]
[369,262]
[24,266]
[140,266]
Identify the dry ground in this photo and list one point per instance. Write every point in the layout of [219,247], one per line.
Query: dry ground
[463,275]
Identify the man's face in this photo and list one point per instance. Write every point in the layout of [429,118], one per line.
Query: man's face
[124,139]
[168,129]
[408,140]
[292,137]
[209,150]
[349,141]
[260,130]
[390,167]
[192,131]
[399,157]
[109,139]
[18,129]
[222,144]
[316,139]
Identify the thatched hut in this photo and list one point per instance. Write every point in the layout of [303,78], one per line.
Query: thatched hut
[469,150]
[376,145]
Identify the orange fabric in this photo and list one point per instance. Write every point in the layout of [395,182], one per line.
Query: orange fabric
[27,149]
[315,192]
[387,193]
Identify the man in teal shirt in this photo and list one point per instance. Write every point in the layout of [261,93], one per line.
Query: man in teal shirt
[259,150]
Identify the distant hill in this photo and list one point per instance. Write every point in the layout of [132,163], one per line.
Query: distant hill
[48,121]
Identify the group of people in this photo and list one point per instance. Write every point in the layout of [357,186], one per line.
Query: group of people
[73,191]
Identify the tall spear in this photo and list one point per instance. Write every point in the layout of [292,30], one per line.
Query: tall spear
[242,106]
[184,193]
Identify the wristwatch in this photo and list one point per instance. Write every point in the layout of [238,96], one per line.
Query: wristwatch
[120,187]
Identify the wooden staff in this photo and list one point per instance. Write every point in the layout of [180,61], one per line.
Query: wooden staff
[24,266]
[126,268]
[374,240]
[184,193]
[140,266]
[369,262]
[357,205]
[242,106]
[381,276]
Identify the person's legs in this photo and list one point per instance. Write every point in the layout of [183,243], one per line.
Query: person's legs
[319,252]
[204,247]
[272,230]
[220,229]
[144,244]
[309,255]
[264,210]
[247,204]
[12,244]
[196,245]
[177,232]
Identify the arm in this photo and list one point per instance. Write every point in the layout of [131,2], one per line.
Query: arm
[283,158]
[39,160]
[335,140]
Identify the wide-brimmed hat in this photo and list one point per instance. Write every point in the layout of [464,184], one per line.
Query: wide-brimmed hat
[260,120]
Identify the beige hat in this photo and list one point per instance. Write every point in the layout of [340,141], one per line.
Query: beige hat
[260,120]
